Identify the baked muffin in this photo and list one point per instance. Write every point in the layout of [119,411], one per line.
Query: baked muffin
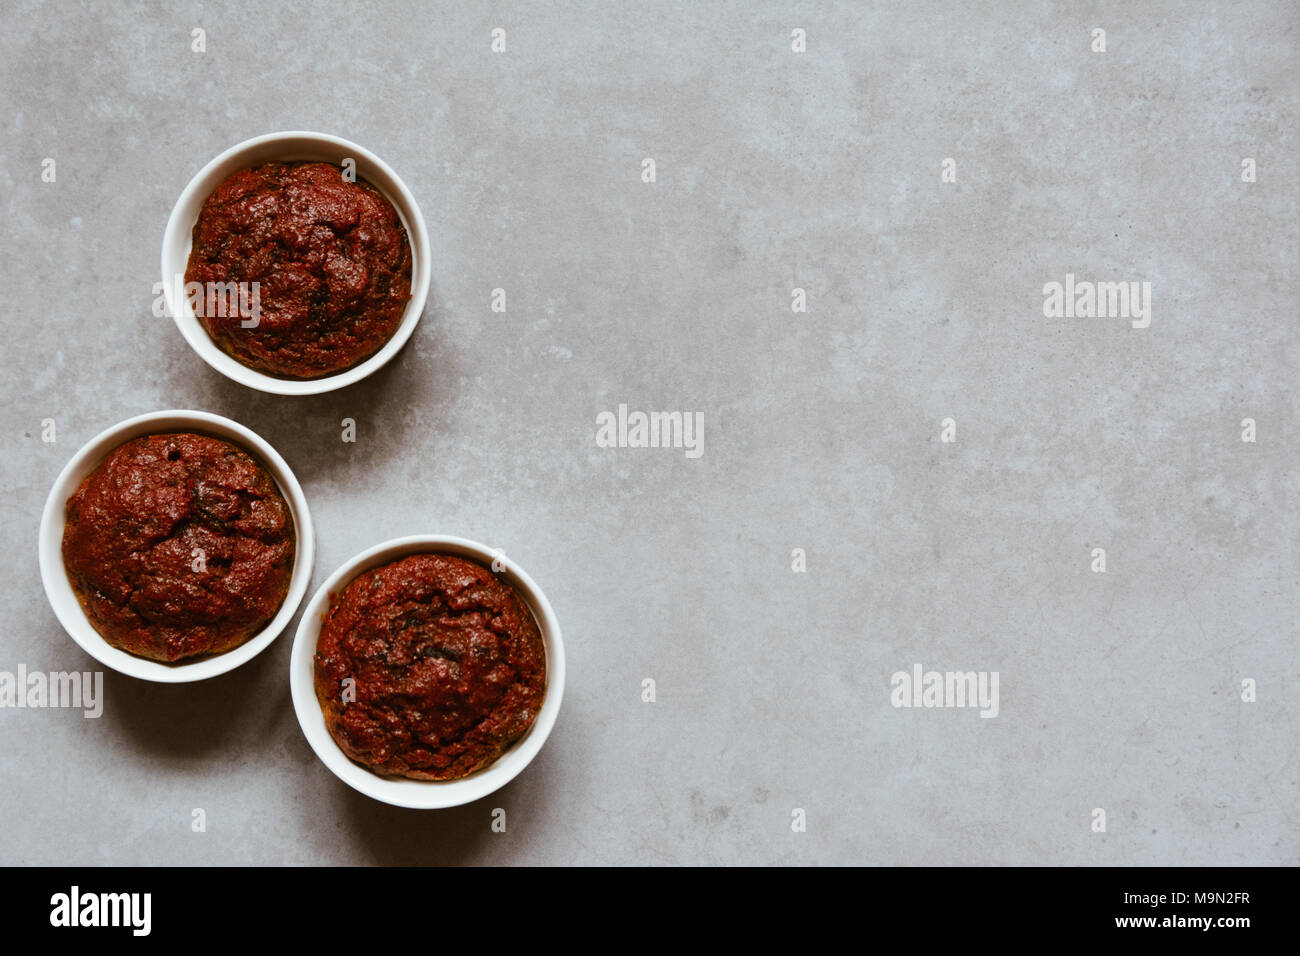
[331,259]
[446,663]
[178,545]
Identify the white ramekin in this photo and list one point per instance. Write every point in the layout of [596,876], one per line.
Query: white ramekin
[64,600]
[423,794]
[288,147]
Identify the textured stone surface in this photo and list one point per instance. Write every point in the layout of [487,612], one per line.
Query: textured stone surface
[775,170]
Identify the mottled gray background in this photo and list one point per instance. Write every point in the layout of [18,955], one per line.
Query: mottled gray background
[775,170]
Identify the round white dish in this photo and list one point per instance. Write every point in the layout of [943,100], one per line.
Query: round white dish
[64,600]
[423,794]
[289,147]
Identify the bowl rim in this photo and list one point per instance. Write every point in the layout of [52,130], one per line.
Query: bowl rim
[58,589]
[177,240]
[403,792]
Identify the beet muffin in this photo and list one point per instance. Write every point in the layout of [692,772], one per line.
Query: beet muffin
[178,545]
[331,259]
[447,666]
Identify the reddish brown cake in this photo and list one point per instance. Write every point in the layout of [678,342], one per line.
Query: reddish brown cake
[331,259]
[446,662]
[178,545]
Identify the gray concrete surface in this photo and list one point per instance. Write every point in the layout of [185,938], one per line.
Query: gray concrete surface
[775,170]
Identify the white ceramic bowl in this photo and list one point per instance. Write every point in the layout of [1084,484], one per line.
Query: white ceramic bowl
[287,147]
[423,794]
[64,600]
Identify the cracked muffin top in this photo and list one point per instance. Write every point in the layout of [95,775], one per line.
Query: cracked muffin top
[330,259]
[429,667]
[178,545]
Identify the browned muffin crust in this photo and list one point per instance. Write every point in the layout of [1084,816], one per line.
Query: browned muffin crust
[447,664]
[178,545]
[331,259]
